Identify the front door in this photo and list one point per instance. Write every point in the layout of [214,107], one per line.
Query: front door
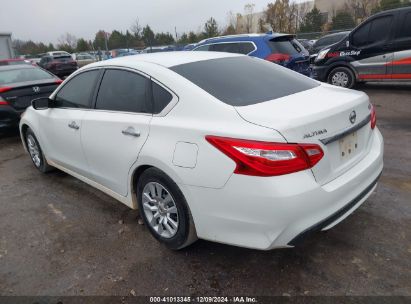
[62,123]
[116,130]
[371,46]
[401,65]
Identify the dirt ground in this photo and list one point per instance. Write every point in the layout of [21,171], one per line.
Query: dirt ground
[58,236]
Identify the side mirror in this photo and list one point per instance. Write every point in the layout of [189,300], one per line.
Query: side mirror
[41,103]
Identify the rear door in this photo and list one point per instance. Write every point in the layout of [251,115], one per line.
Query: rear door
[62,124]
[371,45]
[116,130]
[401,65]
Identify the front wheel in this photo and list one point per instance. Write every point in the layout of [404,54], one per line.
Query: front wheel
[36,154]
[342,77]
[164,210]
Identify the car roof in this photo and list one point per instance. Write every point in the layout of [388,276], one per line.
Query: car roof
[335,34]
[165,59]
[243,37]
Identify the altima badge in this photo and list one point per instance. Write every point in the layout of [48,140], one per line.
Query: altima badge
[36,89]
[353,117]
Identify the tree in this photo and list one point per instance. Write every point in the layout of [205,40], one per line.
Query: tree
[192,37]
[249,17]
[148,36]
[361,9]
[229,30]
[183,39]
[342,21]
[67,42]
[117,40]
[136,28]
[211,28]
[281,16]
[390,4]
[164,39]
[100,40]
[82,45]
[312,22]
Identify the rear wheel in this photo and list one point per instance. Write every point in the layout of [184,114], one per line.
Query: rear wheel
[164,210]
[342,77]
[36,154]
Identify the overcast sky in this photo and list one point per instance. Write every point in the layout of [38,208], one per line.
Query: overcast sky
[47,20]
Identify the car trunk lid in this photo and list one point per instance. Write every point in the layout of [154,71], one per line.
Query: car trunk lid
[325,116]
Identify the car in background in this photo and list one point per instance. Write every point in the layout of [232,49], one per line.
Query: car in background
[83,59]
[306,43]
[19,85]
[57,53]
[60,65]
[379,49]
[159,49]
[129,53]
[189,47]
[14,62]
[325,42]
[283,49]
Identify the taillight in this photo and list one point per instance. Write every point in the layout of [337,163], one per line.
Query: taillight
[278,58]
[58,81]
[5,89]
[3,102]
[373,117]
[258,158]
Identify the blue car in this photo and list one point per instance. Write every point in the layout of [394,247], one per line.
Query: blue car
[282,49]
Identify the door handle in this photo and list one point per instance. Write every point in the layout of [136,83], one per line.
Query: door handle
[131,132]
[73,125]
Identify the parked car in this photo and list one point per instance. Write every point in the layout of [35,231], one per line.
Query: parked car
[19,84]
[83,59]
[60,65]
[325,42]
[282,49]
[14,62]
[129,53]
[306,43]
[159,49]
[189,47]
[57,53]
[217,146]
[379,49]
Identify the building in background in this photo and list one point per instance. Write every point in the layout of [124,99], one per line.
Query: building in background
[6,47]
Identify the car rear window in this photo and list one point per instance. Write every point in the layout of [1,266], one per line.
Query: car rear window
[285,45]
[62,58]
[244,80]
[23,75]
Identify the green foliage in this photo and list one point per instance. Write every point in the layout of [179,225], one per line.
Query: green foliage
[312,22]
[164,39]
[117,40]
[99,40]
[342,20]
[82,45]
[211,28]
[148,36]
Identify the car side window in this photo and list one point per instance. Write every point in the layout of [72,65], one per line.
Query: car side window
[374,31]
[225,47]
[161,97]
[202,48]
[77,92]
[123,91]
[405,31]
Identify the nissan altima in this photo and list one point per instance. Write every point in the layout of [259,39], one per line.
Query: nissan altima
[217,146]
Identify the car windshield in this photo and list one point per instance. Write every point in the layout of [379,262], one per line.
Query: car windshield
[243,80]
[23,75]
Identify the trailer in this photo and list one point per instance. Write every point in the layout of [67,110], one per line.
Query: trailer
[6,47]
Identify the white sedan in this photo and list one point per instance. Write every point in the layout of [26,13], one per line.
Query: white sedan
[216,146]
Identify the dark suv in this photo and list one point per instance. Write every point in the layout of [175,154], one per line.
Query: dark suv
[379,49]
[61,65]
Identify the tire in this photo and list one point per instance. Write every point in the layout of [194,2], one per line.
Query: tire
[36,154]
[161,203]
[342,77]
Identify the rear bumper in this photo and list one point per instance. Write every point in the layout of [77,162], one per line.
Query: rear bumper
[275,212]
[62,73]
[9,117]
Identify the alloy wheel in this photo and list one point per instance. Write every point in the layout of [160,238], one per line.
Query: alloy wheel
[340,79]
[34,150]
[160,210]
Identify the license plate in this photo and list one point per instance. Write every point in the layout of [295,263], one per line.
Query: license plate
[348,146]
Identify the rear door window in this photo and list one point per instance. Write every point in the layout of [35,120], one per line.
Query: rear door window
[123,91]
[285,45]
[233,47]
[77,92]
[244,80]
